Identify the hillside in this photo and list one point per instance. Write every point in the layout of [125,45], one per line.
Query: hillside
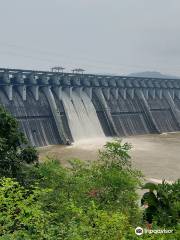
[152,74]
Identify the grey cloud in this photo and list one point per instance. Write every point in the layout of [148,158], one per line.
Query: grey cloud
[115,36]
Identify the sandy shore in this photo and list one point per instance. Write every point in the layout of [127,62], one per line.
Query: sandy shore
[157,156]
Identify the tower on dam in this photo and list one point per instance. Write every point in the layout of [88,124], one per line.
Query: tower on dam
[54,107]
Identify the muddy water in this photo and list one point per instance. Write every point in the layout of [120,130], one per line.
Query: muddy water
[157,156]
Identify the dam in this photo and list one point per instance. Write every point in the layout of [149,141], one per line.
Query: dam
[53,108]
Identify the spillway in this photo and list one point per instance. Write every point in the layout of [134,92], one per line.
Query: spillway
[34,117]
[82,116]
[54,108]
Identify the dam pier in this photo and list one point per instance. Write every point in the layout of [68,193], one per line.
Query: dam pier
[53,107]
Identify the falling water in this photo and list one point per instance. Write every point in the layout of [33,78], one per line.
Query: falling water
[82,117]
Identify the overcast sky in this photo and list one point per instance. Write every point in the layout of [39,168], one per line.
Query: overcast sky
[103,36]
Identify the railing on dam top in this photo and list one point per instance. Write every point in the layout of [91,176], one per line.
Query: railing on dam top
[41,78]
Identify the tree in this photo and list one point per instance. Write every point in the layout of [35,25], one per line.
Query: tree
[163,203]
[13,149]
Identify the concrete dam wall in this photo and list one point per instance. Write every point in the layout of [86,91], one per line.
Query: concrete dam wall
[53,108]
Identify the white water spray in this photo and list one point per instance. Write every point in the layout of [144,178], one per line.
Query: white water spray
[81,116]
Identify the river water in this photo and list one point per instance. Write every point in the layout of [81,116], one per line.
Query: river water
[157,156]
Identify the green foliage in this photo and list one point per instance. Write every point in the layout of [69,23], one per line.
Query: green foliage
[106,183]
[29,155]
[169,204]
[94,223]
[9,131]
[117,153]
[21,216]
[166,203]
[13,152]
[91,201]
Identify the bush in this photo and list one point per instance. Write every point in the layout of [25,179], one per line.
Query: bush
[163,203]
[21,215]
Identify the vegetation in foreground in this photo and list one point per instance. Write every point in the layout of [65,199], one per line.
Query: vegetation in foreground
[92,201]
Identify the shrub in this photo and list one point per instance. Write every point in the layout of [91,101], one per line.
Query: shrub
[21,215]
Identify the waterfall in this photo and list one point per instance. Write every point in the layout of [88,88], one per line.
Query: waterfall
[81,116]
